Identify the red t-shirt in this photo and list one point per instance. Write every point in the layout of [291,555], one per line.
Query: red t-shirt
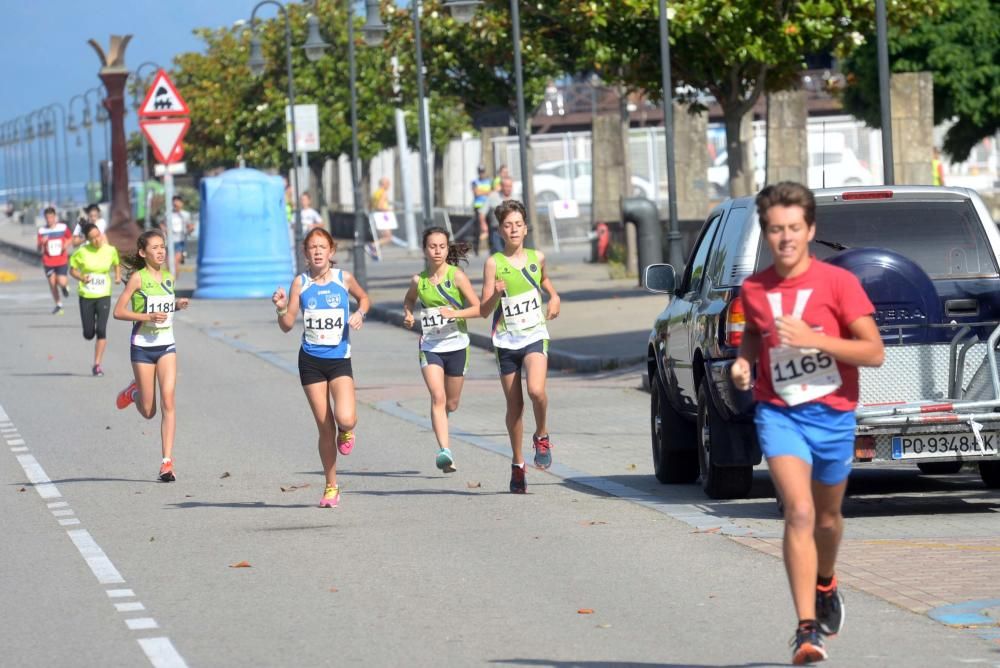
[828,299]
[54,243]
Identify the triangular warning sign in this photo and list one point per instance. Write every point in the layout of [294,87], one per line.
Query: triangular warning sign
[162,99]
[165,137]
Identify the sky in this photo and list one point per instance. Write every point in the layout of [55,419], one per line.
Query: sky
[47,58]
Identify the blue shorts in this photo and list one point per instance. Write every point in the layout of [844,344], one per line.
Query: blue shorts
[816,434]
[512,360]
[151,354]
[454,362]
[180,246]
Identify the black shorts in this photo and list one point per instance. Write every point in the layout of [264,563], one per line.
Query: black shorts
[150,354]
[454,362]
[314,369]
[61,270]
[511,361]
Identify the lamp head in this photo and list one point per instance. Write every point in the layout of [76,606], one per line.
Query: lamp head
[374,29]
[256,61]
[462,10]
[314,46]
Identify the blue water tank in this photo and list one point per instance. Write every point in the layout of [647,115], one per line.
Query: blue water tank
[243,246]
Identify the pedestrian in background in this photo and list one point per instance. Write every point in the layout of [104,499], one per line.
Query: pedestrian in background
[513,281]
[495,199]
[322,294]
[380,202]
[476,229]
[181,226]
[54,239]
[149,302]
[92,214]
[311,219]
[446,300]
[810,326]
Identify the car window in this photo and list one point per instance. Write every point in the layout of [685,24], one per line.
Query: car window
[735,249]
[695,270]
[946,239]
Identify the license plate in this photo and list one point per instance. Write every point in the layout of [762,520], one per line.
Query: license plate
[943,445]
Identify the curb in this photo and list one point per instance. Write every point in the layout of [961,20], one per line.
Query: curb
[558,359]
[20,252]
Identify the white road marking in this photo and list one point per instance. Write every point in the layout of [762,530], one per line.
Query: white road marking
[36,474]
[134,606]
[161,653]
[15,441]
[120,593]
[63,513]
[103,569]
[69,522]
[141,623]
[57,504]
[19,449]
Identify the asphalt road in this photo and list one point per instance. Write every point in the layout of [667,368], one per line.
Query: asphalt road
[415,568]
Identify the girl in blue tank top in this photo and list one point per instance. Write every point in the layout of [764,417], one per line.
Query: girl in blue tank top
[322,294]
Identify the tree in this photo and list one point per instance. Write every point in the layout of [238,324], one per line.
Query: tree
[961,47]
[736,50]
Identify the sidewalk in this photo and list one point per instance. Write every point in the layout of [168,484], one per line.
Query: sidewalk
[604,323]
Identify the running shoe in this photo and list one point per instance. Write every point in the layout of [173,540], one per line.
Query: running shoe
[830,610]
[445,461]
[65,291]
[58,310]
[807,646]
[167,471]
[543,451]
[126,396]
[518,482]
[345,442]
[331,497]
[97,370]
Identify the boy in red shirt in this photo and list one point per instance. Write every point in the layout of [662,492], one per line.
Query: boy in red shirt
[810,326]
[53,243]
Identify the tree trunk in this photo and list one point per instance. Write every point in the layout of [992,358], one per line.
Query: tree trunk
[739,147]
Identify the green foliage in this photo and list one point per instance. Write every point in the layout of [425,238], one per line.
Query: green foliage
[962,49]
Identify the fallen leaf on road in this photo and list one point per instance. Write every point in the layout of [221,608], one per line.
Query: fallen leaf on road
[216,323]
[241,564]
[292,488]
[590,523]
[108,427]
[585,611]
[152,538]
[473,484]
[333,590]
[224,475]
[604,626]
[631,467]
[23,489]
[187,496]
[709,530]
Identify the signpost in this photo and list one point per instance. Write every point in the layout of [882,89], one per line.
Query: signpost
[163,118]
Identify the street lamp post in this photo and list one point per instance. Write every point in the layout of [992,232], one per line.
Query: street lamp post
[46,130]
[65,142]
[137,101]
[35,130]
[73,127]
[885,100]
[256,64]
[675,252]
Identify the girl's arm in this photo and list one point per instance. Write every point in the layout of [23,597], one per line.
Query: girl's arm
[552,310]
[471,298]
[124,312]
[75,273]
[492,288]
[364,304]
[287,306]
[409,301]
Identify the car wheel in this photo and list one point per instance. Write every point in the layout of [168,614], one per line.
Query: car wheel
[719,482]
[939,468]
[671,465]
[990,473]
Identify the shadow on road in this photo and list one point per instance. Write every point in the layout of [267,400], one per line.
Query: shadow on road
[621,664]
[185,505]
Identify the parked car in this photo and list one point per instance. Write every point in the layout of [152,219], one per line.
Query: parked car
[926,256]
[832,164]
[562,179]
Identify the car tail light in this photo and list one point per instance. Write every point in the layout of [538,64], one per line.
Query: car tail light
[868,194]
[864,448]
[736,322]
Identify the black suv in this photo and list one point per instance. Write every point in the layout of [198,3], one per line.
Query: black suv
[927,256]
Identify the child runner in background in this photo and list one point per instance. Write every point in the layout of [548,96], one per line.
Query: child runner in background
[54,239]
[91,264]
[323,294]
[446,300]
[149,302]
[512,285]
[810,326]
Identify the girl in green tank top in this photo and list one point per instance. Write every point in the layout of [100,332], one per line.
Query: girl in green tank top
[446,299]
[148,301]
[513,281]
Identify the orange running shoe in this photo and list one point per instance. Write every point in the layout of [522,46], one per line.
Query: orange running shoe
[127,396]
[167,471]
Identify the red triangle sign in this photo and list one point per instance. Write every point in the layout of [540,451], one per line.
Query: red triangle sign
[163,99]
[165,136]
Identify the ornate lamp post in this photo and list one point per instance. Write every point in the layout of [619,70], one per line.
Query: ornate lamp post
[121,232]
[65,143]
[86,122]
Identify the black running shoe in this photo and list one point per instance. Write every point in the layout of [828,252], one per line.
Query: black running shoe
[807,646]
[518,483]
[830,610]
[65,292]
